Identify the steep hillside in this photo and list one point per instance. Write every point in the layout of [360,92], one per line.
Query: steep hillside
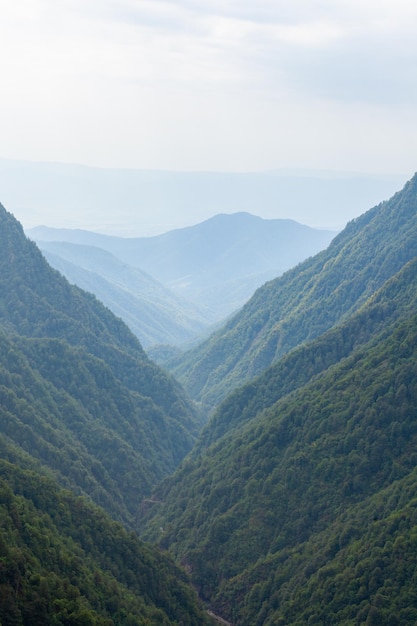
[298,505]
[78,393]
[217,264]
[377,317]
[306,301]
[151,311]
[64,562]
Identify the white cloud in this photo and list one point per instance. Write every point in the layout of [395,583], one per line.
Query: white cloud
[193,84]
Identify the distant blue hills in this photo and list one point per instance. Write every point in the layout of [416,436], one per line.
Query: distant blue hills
[195,276]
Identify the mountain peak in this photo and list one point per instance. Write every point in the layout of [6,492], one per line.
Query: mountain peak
[307,300]
[217,264]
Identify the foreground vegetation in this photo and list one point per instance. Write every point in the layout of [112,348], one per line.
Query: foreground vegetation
[64,562]
[270,516]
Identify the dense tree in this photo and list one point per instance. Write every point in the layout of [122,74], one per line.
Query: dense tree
[299,498]
[78,393]
[63,561]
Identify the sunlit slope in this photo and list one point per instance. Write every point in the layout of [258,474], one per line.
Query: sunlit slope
[306,301]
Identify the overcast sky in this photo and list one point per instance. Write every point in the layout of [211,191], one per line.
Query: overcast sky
[211,85]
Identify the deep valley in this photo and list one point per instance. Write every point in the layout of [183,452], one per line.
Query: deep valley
[263,475]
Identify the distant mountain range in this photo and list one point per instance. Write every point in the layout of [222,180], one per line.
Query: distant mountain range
[216,265]
[154,313]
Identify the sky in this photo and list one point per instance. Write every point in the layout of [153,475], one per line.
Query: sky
[226,85]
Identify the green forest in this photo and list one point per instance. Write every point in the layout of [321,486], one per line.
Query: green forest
[65,562]
[89,425]
[293,478]
[273,484]
[297,504]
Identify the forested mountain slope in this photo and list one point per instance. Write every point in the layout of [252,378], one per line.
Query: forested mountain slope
[64,562]
[216,264]
[298,506]
[78,393]
[375,319]
[154,313]
[306,301]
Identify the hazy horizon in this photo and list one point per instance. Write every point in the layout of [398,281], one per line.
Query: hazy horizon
[204,92]
[211,86]
[128,202]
